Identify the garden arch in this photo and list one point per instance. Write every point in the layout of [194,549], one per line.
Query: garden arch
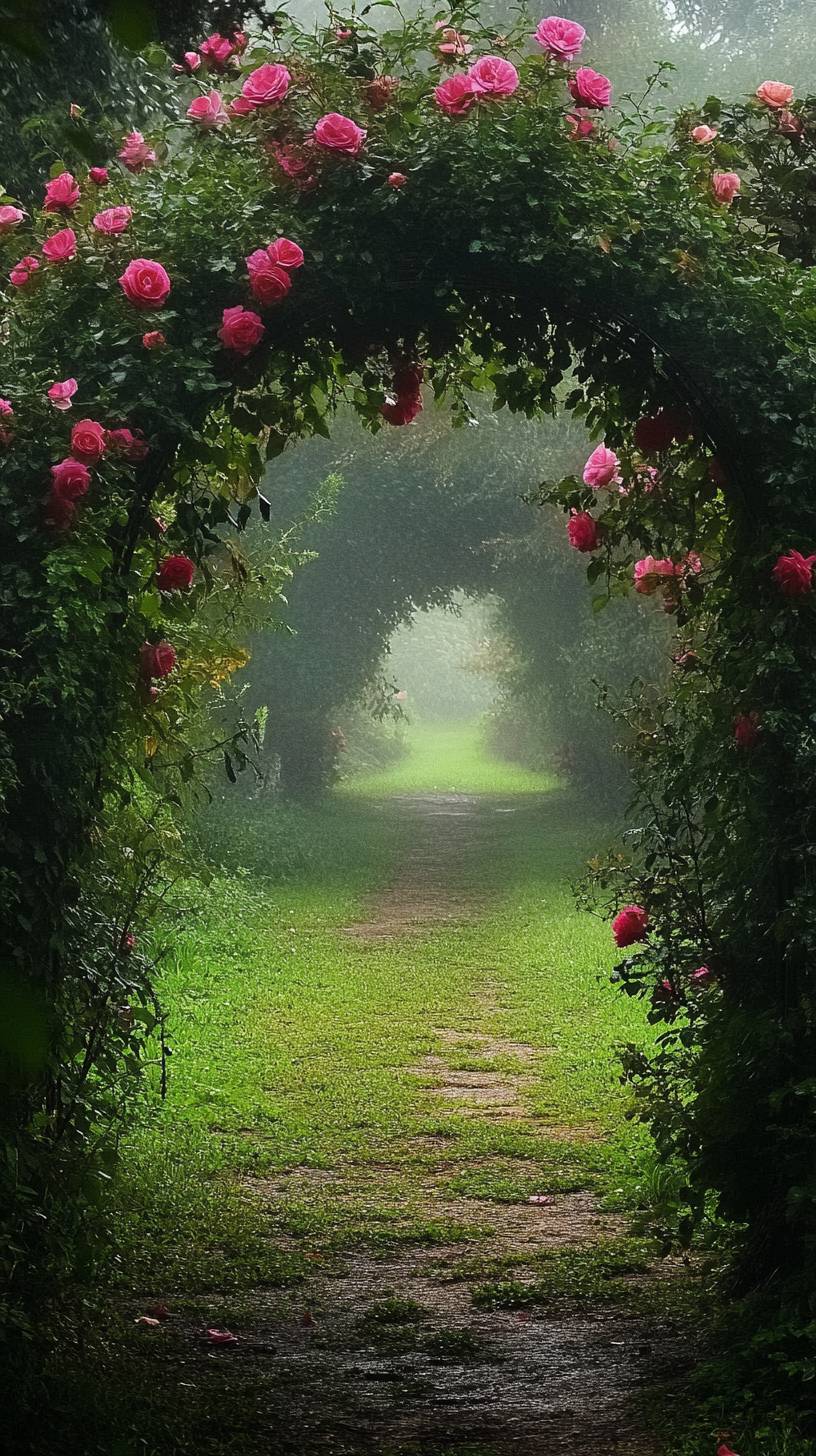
[522,247]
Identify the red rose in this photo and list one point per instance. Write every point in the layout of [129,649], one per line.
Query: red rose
[268,281]
[793,574]
[241,330]
[157,659]
[175,573]
[747,730]
[582,530]
[88,441]
[654,433]
[145,283]
[629,925]
[71,479]
[155,339]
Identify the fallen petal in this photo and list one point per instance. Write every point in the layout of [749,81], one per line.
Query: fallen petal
[220,1337]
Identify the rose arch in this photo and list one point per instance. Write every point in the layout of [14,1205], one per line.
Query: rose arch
[350,217]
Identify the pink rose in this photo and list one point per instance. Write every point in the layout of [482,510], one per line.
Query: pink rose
[157,659]
[630,925]
[493,76]
[61,246]
[99,176]
[132,447]
[725,186]
[379,92]
[703,976]
[216,51]
[61,193]
[451,43]
[703,134]
[602,468]
[59,512]
[562,38]
[154,339]
[343,35]
[145,283]
[582,530]
[268,86]
[71,479]
[241,330]
[590,88]
[396,180]
[61,393]
[190,62]
[747,731]
[240,41]
[339,134]
[793,574]
[6,414]
[649,572]
[296,162]
[113,220]
[725,1451]
[268,281]
[774,94]
[285,253]
[136,154]
[175,573]
[208,111]
[88,441]
[10,217]
[790,124]
[22,273]
[580,125]
[456,95]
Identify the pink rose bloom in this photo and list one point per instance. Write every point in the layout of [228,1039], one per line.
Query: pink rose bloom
[23,271]
[296,163]
[88,441]
[267,86]
[6,414]
[339,134]
[132,447]
[285,253]
[99,176]
[649,572]
[790,124]
[590,88]
[136,154]
[157,659]
[71,479]
[451,42]
[630,925]
[190,62]
[61,246]
[240,41]
[379,92]
[562,38]
[703,976]
[241,330]
[456,95]
[793,574]
[703,134]
[176,573]
[774,94]
[208,111]
[602,468]
[113,220]
[493,76]
[216,51]
[268,281]
[10,217]
[725,1451]
[145,283]
[725,186]
[61,393]
[747,731]
[582,530]
[154,339]
[396,180]
[343,35]
[61,193]
[580,125]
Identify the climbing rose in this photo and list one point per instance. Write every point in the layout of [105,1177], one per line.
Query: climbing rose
[629,925]
[562,38]
[339,134]
[396,180]
[61,393]
[10,217]
[133,447]
[23,271]
[157,659]
[240,41]
[725,186]
[775,94]
[88,441]
[649,572]
[216,50]
[452,43]
[703,976]
[61,193]
[266,87]
[379,92]
[580,125]
[602,468]
[456,95]
[99,176]
[6,413]
[208,111]
[241,330]
[267,280]
[790,124]
[793,574]
[747,730]
[407,388]
[136,154]
[113,220]
[71,479]
[582,530]
[725,1451]
[175,573]
[190,62]
[285,253]
[493,76]
[703,134]
[654,433]
[145,283]
[61,246]
[590,88]
[154,339]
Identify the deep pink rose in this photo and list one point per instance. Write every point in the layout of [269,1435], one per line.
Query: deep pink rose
[61,193]
[580,125]
[190,62]
[154,339]
[456,95]
[630,925]
[724,1450]
[493,76]
[59,512]
[775,94]
[136,154]
[145,283]
[747,730]
[339,134]
[296,162]
[61,393]
[10,217]
[793,574]
[267,280]
[657,432]
[582,530]
[99,176]
[60,247]
[132,447]
[157,659]
[240,41]
[88,441]
[286,254]
[216,51]
[23,272]
[703,976]
[396,180]
[649,572]
[562,38]
[379,92]
[407,389]
[602,468]
[71,479]
[452,43]
[590,88]
[268,86]
[703,134]
[241,330]
[208,111]
[175,573]
[113,220]
[725,186]
[6,414]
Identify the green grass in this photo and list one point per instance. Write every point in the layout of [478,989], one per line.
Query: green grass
[447,759]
